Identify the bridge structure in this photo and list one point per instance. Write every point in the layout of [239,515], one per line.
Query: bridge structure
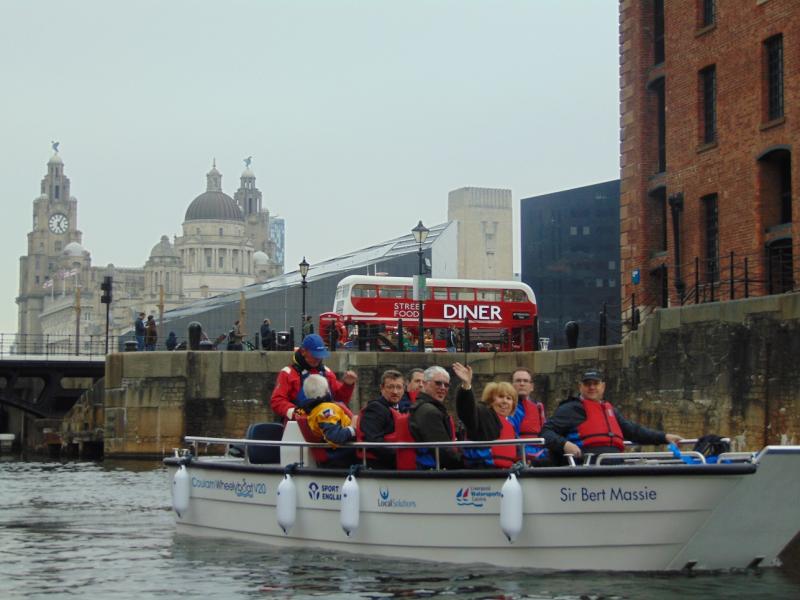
[41,375]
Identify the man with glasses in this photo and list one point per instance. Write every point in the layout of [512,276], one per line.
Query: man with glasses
[590,425]
[382,421]
[429,421]
[531,424]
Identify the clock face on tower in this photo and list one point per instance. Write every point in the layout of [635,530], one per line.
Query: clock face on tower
[58,223]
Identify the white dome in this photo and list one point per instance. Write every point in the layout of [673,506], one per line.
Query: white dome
[248,172]
[55,160]
[260,258]
[163,249]
[73,249]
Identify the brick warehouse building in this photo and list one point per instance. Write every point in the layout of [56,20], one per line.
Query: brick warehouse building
[710,124]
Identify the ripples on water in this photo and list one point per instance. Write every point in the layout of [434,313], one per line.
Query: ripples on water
[106,530]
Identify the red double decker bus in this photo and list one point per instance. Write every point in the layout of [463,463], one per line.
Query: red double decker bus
[370,311]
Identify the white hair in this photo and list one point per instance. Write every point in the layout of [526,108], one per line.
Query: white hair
[315,386]
[435,370]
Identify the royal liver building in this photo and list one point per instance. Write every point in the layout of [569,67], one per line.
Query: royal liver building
[226,243]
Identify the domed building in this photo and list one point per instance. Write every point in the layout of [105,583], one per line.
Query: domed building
[261,266]
[215,249]
[164,268]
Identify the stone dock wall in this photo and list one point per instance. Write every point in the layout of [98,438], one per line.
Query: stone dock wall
[728,368]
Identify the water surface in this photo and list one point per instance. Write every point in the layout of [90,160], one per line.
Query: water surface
[106,530]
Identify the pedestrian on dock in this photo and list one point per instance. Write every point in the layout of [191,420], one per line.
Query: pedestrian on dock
[139,331]
[266,335]
[151,334]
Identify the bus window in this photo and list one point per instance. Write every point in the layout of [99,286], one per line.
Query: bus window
[462,294]
[364,291]
[490,295]
[391,291]
[439,293]
[515,296]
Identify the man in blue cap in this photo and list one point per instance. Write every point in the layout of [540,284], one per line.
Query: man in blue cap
[307,360]
[589,424]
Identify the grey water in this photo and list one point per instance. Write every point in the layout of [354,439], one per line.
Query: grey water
[106,530]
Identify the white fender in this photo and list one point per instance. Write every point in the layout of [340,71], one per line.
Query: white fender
[287,503]
[181,489]
[511,508]
[350,508]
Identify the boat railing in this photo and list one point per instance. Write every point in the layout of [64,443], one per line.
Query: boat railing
[648,457]
[663,458]
[303,445]
[683,442]
[736,457]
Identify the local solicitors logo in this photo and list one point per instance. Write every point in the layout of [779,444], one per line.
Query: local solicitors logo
[324,491]
[385,500]
[475,495]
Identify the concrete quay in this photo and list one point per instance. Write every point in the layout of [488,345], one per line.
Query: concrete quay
[727,368]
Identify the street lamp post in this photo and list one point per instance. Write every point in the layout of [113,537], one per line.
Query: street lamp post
[303,272]
[420,235]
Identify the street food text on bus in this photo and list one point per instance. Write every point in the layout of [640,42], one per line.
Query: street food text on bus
[406,310]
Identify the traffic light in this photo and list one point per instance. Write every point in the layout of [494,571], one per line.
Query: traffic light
[106,288]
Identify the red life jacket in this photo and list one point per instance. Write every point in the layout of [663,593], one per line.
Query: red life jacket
[319,454]
[406,457]
[600,427]
[504,457]
[531,425]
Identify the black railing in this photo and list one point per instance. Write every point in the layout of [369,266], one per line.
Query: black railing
[46,346]
[727,277]
[14,345]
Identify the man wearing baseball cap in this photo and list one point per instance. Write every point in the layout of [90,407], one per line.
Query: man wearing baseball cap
[590,425]
[307,360]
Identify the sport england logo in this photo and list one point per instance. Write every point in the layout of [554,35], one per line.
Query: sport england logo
[324,492]
[475,496]
[313,490]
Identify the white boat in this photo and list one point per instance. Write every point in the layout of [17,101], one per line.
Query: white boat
[651,513]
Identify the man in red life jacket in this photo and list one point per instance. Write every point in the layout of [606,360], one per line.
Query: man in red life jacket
[531,425]
[381,421]
[590,425]
[307,360]
[413,387]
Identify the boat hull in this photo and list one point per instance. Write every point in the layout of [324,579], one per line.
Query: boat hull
[601,518]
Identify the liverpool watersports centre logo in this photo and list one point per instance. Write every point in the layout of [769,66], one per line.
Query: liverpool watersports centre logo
[476,495]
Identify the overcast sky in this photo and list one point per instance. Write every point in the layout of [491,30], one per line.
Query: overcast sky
[360,116]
